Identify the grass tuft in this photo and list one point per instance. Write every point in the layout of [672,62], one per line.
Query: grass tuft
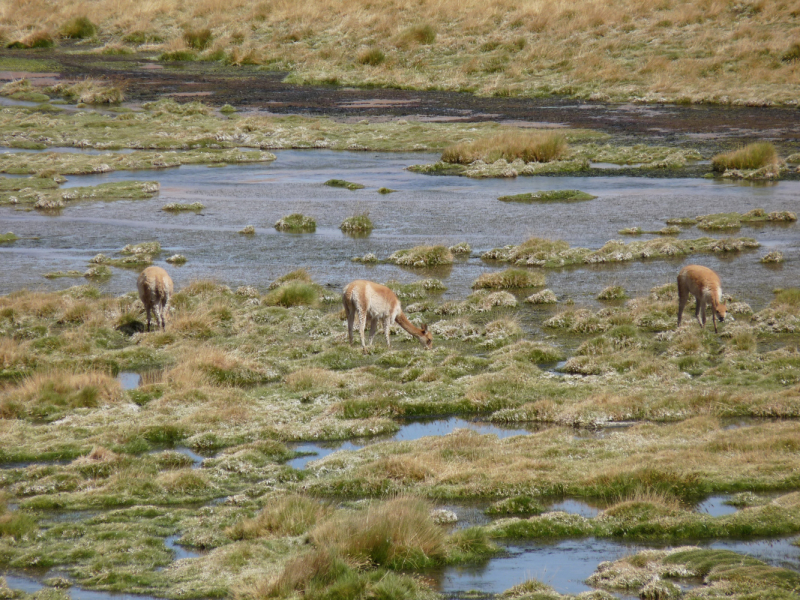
[291,515]
[510,278]
[78,28]
[297,223]
[752,156]
[357,224]
[551,196]
[344,184]
[422,256]
[199,39]
[293,294]
[510,145]
[371,57]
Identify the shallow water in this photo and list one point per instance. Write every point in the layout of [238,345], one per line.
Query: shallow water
[410,430]
[180,552]
[31,586]
[566,564]
[425,209]
[716,507]
[129,380]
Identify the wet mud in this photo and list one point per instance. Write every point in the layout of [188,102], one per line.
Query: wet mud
[248,88]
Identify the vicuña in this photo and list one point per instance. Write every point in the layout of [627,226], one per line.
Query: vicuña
[372,303]
[155,290]
[704,285]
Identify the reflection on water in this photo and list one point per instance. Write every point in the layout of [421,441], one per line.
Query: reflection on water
[411,430]
[31,586]
[424,210]
[129,380]
[716,507]
[563,565]
[179,551]
[566,564]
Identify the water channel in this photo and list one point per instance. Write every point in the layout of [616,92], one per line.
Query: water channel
[423,210]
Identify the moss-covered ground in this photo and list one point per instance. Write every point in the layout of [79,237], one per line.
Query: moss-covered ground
[94,483]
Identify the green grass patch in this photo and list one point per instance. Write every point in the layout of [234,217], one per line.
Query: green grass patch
[344,184]
[510,145]
[357,224]
[422,256]
[296,223]
[510,278]
[751,156]
[176,207]
[78,28]
[550,196]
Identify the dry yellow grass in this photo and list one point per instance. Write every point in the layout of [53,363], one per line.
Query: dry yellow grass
[678,50]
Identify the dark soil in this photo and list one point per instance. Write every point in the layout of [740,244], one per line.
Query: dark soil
[248,88]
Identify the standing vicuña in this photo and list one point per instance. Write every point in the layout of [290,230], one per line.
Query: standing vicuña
[373,302]
[704,285]
[155,289]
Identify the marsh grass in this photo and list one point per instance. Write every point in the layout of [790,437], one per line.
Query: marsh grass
[371,56]
[541,252]
[549,196]
[422,256]
[751,156]
[89,91]
[48,395]
[510,146]
[357,224]
[398,534]
[344,184]
[176,207]
[290,515]
[612,292]
[78,28]
[510,278]
[294,293]
[296,223]
[199,39]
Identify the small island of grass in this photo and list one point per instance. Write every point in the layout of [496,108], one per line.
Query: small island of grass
[344,184]
[549,196]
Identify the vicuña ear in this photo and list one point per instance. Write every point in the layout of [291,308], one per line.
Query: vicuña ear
[424,328]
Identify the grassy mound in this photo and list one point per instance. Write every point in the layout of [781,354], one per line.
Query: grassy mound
[344,184]
[751,156]
[510,145]
[357,224]
[510,278]
[297,223]
[551,196]
[422,256]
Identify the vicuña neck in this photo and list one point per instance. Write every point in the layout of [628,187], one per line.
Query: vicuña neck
[403,321]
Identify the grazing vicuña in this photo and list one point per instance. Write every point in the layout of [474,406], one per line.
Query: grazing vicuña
[372,303]
[704,285]
[155,290]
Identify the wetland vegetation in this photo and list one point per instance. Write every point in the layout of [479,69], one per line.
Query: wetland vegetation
[682,52]
[211,447]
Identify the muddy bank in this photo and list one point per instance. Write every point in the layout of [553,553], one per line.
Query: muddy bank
[248,88]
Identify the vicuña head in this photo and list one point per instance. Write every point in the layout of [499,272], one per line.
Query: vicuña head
[372,303]
[704,285]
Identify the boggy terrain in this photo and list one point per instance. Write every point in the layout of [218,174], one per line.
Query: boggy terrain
[93,483]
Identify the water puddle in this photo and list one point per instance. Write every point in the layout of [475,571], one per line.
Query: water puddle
[566,564]
[197,460]
[129,380]
[577,507]
[31,585]
[180,552]
[411,430]
[716,507]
